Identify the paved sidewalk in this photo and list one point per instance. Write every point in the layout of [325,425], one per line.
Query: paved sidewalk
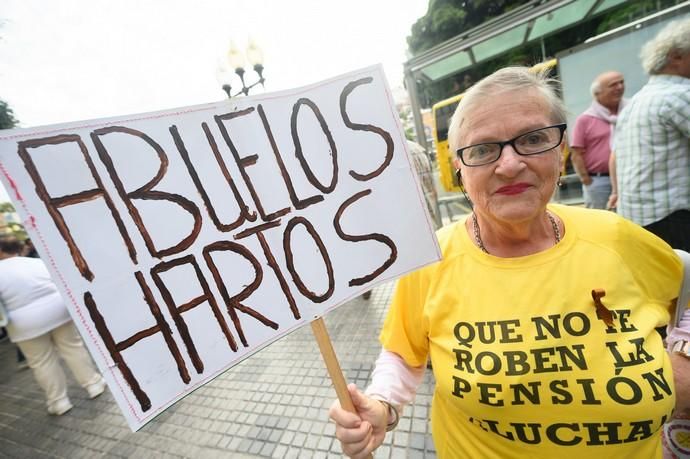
[275,404]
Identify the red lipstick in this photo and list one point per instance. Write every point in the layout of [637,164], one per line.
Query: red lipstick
[515,188]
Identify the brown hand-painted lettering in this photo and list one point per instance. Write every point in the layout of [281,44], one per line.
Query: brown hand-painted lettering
[385,135]
[53,204]
[366,237]
[146,192]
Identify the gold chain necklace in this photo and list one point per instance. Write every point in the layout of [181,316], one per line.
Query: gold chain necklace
[480,243]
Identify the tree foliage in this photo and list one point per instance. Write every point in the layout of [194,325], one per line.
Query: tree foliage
[6,207]
[448,18]
[16,230]
[11,227]
[7,119]
[629,13]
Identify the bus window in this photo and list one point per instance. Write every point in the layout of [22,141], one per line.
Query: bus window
[443,112]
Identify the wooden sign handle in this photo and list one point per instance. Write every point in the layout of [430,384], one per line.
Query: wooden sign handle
[318,326]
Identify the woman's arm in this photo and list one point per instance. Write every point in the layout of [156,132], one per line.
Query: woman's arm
[394,384]
[680,362]
[681,379]
[394,381]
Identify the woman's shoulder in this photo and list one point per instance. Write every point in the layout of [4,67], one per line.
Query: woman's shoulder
[22,264]
[19,260]
[449,239]
[596,225]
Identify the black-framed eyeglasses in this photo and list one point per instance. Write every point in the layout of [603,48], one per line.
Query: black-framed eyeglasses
[530,143]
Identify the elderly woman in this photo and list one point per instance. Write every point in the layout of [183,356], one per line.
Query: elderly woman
[540,320]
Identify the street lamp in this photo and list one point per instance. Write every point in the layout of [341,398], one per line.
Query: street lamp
[235,62]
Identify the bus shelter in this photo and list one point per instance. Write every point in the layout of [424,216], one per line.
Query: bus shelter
[532,22]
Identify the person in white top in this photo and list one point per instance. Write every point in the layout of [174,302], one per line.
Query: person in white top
[38,322]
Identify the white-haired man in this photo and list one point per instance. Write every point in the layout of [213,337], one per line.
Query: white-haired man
[592,135]
[652,155]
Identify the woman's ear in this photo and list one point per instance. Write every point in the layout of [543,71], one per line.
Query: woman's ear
[458,170]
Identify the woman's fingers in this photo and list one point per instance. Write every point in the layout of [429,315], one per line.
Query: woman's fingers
[360,401]
[353,435]
[342,417]
[355,441]
[355,430]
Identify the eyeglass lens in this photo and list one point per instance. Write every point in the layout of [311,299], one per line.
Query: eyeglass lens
[530,143]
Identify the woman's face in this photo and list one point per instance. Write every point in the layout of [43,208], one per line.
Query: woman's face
[514,188]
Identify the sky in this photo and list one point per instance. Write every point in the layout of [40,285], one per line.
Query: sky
[73,60]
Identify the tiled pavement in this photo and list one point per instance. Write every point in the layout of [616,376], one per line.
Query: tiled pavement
[275,404]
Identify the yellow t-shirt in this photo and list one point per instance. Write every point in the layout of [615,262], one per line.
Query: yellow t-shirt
[523,366]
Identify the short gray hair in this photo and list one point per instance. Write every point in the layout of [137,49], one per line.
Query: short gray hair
[595,87]
[674,37]
[505,80]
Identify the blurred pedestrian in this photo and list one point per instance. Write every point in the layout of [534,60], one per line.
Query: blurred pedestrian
[28,250]
[38,322]
[425,173]
[591,140]
[22,364]
[651,163]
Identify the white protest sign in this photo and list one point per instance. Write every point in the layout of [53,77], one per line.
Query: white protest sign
[185,240]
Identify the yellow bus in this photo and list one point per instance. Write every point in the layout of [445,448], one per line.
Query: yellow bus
[443,111]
